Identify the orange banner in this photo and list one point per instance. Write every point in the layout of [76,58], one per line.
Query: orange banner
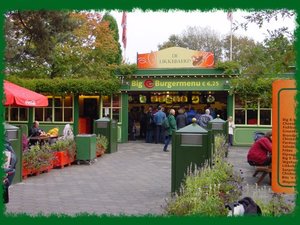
[284,136]
[175,57]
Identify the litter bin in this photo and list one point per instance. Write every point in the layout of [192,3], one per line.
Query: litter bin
[108,128]
[190,148]
[86,147]
[13,134]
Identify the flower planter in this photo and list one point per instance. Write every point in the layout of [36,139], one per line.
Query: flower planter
[28,172]
[62,159]
[44,169]
[99,150]
[25,171]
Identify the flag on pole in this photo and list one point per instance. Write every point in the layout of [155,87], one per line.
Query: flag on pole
[123,24]
[229,16]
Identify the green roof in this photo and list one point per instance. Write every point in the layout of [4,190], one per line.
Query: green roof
[192,128]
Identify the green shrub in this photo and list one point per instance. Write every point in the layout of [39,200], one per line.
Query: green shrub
[64,145]
[207,189]
[38,156]
[277,206]
[102,141]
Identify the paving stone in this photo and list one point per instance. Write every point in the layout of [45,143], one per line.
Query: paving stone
[135,180]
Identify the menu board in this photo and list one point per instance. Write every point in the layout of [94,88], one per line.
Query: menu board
[284,136]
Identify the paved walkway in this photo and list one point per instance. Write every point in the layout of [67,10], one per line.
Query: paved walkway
[133,181]
[136,180]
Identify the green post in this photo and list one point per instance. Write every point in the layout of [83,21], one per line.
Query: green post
[124,116]
[76,115]
[230,105]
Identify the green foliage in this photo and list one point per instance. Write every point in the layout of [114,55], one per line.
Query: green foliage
[37,157]
[49,44]
[113,26]
[102,140]
[64,86]
[126,69]
[229,67]
[68,146]
[277,206]
[250,90]
[207,189]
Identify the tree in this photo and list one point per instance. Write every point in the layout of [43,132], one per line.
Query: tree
[56,44]
[31,37]
[247,53]
[174,41]
[113,26]
[265,16]
[91,50]
[197,38]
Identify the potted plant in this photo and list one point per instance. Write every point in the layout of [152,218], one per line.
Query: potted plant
[64,152]
[101,145]
[37,159]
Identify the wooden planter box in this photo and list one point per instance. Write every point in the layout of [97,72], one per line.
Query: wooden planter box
[62,159]
[99,150]
[27,172]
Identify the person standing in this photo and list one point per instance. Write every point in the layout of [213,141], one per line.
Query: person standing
[181,120]
[131,126]
[231,126]
[150,125]
[143,123]
[172,127]
[205,118]
[190,115]
[159,117]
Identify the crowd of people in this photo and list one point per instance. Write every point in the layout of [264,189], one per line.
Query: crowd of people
[150,122]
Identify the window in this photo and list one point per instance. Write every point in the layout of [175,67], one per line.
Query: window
[260,115]
[60,109]
[111,107]
[16,114]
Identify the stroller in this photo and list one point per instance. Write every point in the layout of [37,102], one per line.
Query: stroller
[9,169]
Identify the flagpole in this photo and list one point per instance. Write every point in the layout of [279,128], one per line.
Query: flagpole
[124,56]
[124,36]
[230,57]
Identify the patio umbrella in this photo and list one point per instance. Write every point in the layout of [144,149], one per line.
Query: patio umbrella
[19,96]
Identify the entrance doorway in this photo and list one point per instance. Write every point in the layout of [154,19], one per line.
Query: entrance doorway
[88,112]
[139,103]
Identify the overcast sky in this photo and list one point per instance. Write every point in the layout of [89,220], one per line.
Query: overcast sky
[146,30]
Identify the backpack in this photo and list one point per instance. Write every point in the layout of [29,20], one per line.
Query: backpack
[166,123]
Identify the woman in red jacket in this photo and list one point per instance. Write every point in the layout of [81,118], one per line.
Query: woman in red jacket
[261,151]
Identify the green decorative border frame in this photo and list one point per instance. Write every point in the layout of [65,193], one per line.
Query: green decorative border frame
[155,5]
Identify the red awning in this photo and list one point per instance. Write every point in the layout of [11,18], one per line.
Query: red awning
[19,96]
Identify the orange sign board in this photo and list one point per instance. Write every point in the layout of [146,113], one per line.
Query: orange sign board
[284,136]
[175,57]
